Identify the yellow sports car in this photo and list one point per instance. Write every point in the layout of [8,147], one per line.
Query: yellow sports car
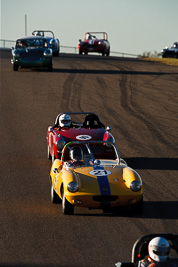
[84,180]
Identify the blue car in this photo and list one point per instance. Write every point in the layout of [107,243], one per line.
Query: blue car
[171,52]
[53,42]
[32,52]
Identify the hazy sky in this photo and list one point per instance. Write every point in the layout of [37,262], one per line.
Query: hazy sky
[133,26]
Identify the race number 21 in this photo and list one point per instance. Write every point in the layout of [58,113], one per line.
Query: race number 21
[100,172]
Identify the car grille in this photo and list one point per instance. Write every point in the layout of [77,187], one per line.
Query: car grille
[90,45]
[105,198]
[32,55]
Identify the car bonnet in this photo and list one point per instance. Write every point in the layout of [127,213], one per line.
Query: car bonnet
[82,134]
[102,179]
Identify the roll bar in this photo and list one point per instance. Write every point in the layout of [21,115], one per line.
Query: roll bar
[105,35]
[144,240]
[43,31]
[87,144]
[74,113]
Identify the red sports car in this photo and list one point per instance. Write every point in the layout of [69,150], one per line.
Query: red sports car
[78,126]
[91,43]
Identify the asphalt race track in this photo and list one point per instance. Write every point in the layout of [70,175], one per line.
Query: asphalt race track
[139,100]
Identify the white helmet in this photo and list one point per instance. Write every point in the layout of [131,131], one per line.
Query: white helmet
[158,249]
[64,120]
[89,36]
[37,33]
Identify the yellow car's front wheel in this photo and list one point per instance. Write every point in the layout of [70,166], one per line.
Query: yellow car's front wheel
[67,208]
[54,197]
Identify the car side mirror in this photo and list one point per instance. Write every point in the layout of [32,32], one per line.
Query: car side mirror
[52,43]
[50,129]
[108,128]
[123,162]
[55,170]
[97,162]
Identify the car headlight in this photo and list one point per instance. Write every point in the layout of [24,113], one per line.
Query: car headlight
[135,186]
[16,54]
[72,187]
[48,53]
[60,144]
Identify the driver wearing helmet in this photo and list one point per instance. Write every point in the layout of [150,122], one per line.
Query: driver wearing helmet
[38,33]
[76,155]
[89,37]
[63,121]
[158,249]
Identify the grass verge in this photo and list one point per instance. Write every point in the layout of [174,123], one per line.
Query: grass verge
[168,61]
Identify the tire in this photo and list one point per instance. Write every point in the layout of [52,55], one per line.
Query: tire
[104,52]
[53,156]
[48,153]
[108,52]
[67,208]
[54,196]
[56,54]
[15,67]
[50,67]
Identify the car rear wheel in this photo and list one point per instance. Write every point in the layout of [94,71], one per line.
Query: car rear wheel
[54,196]
[67,208]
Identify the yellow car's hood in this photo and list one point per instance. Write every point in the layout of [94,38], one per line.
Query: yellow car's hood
[101,180]
[106,180]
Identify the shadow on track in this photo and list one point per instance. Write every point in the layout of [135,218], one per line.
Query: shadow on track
[152,210]
[153,163]
[34,265]
[114,72]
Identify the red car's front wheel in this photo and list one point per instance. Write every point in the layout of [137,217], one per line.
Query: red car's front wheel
[48,153]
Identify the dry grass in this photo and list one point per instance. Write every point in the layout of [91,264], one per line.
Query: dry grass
[168,61]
